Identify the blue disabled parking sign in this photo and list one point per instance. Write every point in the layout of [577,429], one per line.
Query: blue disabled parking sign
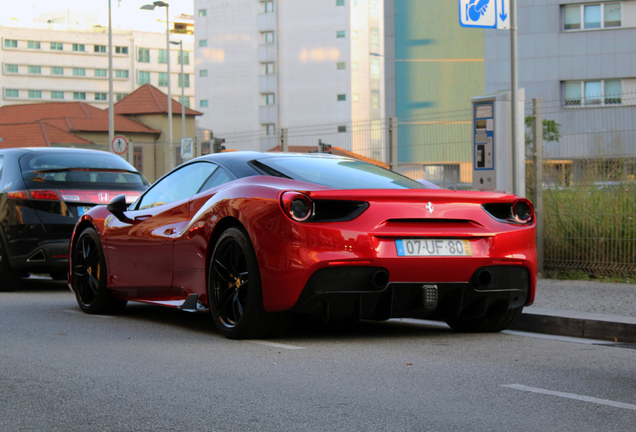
[484,13]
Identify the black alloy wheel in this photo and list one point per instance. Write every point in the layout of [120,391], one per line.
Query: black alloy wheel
[234,290]
[89,276]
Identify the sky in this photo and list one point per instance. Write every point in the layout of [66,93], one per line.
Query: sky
[124,13]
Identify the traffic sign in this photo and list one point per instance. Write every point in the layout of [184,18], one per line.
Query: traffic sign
[187,149]
[119,144]
[484,13]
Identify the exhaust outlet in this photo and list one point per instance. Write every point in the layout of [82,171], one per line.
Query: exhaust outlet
[483,278]
[379,279]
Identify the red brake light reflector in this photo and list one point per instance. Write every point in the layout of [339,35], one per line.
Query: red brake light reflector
[46,195]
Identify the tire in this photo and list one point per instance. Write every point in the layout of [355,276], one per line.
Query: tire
[89,276]
[486,324]
[235,293]
[10,278]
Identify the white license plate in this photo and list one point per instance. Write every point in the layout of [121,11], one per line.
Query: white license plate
[433,247]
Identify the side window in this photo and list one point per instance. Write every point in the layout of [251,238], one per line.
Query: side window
[1,165]
[217,179]
[179,185]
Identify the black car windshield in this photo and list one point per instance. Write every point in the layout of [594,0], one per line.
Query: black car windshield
[67,167]
[335,172]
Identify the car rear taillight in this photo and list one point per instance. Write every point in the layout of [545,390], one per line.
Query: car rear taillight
[297,206]
[38,194]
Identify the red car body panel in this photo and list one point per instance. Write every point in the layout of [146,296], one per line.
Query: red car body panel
[161,255]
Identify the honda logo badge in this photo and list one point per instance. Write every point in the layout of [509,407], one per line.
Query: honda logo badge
[103,197]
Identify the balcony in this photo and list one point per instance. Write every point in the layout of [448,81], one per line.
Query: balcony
[267,53]
[266,22]
[267,83]
[268,114]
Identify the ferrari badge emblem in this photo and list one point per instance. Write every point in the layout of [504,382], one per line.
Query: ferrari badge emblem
[429,207]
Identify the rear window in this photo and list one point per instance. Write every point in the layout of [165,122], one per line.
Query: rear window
[79,168]
[335,172]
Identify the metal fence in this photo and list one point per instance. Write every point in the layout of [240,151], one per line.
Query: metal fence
[588,182]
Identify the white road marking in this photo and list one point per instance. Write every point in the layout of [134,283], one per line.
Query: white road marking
[276,345]
[556,337]
[571,396]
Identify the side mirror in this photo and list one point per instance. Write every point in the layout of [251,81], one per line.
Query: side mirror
[117,206]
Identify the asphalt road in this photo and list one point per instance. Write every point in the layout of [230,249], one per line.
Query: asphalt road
[154,369]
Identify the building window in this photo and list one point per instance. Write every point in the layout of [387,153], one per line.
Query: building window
[79,72]
[121,73]
[11,93]
[100,96]
[268,6]
[120,96]
[99,48]
[267,37]
[270,99]
[340,34]
[203,43]
[203,12]
[11,43]
[592,16]
[56,46]
[143,55]
[354,34]
[374,40]
[374,68]
[57,70]
[355,97]
[340,2]
[101,72]
[270,129]
[185,101]
[163,56]
[163,79]
[354,65]
[11,68]
[342,97]
[375,100]
[592,93]
[79,95]
[121,50]
[203,103]
[374,8]
[138,153]
[33,44]
[187,80]
[186,57]
[342,129]
[35,94]
[79,47]
[341,65]
[57,95]
[203,73]
[270,68]
[144,77]
[36,70]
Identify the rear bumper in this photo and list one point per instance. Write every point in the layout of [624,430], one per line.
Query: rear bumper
[355,292]
[38,255]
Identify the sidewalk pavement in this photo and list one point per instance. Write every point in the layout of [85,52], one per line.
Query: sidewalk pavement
[587,309]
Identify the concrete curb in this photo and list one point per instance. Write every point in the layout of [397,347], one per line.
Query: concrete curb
[614,328]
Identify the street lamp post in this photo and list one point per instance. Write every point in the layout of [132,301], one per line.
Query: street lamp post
[111,103]
[152,7]
[183,122]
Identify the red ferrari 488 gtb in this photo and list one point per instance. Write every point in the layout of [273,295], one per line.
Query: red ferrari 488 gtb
[253,237]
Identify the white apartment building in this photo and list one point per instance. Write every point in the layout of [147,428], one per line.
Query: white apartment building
[267,65]
[61,62]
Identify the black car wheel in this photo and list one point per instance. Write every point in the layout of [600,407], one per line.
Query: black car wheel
[9,277]
[487,324]
[234,290]
[89,276]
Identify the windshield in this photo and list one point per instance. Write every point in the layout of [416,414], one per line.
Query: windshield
[335,172]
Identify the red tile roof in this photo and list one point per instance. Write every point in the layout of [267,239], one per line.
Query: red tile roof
[334,150]
[70,116]
[149,100]
[36,134]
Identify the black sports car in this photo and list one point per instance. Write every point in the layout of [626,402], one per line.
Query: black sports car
[43,191]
